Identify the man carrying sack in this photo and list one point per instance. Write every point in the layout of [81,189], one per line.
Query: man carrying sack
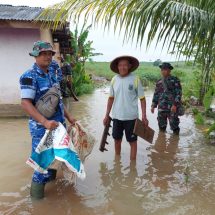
[125,90]
[167,98]
[42,100]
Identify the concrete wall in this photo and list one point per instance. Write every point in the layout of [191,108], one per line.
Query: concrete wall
[15,45]
[45,35]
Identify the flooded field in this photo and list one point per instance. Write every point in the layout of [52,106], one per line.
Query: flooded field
[155,184]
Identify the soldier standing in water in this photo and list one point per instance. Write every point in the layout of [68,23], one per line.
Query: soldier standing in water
[167,98]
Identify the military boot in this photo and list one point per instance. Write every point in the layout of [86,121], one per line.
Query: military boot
[37,190]
[162,129]
[176,131]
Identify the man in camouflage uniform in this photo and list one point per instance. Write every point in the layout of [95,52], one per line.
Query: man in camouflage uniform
[66,83]
[167,98]
[55,68]
[34,83]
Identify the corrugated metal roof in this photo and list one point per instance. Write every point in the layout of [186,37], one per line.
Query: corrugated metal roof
[19,13]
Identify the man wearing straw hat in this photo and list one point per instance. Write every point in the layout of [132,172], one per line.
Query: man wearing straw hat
[125,90]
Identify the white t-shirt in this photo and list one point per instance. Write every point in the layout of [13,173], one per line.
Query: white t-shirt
[126,91]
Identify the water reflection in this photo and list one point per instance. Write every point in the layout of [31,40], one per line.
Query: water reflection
[121,183]
[114,186]
[118,177]
[161,167]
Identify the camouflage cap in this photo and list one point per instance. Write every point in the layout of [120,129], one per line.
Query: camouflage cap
[166,65]
[41,46]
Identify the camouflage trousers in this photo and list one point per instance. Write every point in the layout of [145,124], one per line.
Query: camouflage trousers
[165,116]
[63,86]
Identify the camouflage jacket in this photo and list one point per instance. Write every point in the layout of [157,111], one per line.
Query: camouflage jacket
[34,83]
[66,69]
[168,92]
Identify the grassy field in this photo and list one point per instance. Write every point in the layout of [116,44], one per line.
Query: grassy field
[102,69]
[149,74]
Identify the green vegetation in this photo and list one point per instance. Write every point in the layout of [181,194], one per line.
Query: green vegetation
[186,27]
[157,62]
[149,74]
[189,22]
[211,129]
[199,119]
[199,116]
[195,111]
[187,72]
[208,98]
[82,51]
[146,69]
[101,69]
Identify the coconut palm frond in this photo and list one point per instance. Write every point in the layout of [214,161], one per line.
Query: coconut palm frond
[189,22]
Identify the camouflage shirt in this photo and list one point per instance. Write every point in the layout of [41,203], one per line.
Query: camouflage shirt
[34,83]
[66,69]
[168,92]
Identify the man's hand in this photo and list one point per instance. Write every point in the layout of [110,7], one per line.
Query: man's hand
[106,120]
[174,109]
[152,109]
[145,121]
[71,120]
[50,124]
[69,117]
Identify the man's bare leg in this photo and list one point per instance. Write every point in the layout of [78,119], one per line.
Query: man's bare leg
[133,153]
[118,147]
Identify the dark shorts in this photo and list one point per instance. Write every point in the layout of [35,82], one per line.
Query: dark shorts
[119,126]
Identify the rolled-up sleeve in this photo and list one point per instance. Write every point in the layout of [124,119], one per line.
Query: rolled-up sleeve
[27,86]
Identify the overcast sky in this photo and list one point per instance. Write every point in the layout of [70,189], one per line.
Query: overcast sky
[108,43]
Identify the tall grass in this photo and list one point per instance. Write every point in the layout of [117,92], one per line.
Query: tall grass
[188,73]
[149,74]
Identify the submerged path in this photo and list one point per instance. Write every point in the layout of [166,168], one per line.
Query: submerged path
[156,184]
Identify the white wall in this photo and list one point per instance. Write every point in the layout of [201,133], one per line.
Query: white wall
[15,44]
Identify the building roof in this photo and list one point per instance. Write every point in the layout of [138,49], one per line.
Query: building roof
[19,13]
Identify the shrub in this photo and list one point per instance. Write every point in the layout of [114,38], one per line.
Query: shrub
[148,78]
[195,111]
[199,119]
[208,98]
[212,128]
[157,62]
[84,89]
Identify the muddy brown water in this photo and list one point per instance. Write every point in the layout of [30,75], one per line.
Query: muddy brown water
[156,184]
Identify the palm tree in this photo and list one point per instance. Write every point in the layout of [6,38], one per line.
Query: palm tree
[190,23]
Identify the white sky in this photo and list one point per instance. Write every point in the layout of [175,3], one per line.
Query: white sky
[107,42]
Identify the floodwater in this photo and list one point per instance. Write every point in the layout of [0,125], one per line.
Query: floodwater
[156,184]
